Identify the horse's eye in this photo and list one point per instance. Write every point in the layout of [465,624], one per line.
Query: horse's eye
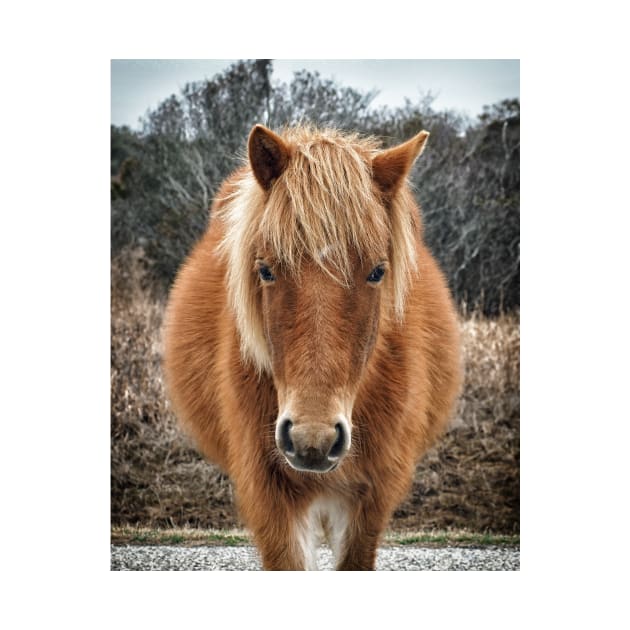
[265,273]
[376,275]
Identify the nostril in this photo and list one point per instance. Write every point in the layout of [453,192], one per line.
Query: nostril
[340,442]
[286,443]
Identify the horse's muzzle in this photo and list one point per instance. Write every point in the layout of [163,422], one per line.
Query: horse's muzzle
[313,447]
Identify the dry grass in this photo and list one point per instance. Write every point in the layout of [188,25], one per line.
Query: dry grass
[471,478]
[469,481]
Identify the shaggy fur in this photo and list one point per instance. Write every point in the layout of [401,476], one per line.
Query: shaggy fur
[318,343]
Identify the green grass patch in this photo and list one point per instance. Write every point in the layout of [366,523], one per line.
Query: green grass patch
[182,536]
[232,538]
[451,539]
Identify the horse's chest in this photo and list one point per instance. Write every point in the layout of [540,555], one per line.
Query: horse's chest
[326,519]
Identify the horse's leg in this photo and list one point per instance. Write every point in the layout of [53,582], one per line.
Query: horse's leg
[362,536]
[281,536]
[286,544]
[359,552]
[280,549]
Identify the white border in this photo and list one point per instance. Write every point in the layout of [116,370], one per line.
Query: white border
[55,254]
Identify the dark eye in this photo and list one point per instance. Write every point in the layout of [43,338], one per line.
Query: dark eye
[376,275]
[265,273]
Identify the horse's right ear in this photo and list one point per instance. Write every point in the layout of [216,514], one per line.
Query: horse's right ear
[268,155]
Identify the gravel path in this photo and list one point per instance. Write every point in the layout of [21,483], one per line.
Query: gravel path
[164,558]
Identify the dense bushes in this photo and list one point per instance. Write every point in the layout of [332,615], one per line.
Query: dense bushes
[164,177]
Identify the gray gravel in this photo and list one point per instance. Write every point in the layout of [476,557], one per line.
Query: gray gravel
[164,558]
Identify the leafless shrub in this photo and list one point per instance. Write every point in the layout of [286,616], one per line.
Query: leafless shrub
[467,181]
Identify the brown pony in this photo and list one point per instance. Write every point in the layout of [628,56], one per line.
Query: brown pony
[311,345]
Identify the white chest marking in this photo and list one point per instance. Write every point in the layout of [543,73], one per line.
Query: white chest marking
[326,520]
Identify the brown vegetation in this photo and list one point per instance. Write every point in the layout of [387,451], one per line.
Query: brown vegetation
[469,481]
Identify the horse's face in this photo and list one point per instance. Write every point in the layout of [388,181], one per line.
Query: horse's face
[319,331]
[320,335]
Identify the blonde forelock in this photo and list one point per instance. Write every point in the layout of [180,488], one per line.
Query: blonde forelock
[324,207]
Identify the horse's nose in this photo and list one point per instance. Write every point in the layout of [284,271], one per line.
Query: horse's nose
[283,437]
[313,447]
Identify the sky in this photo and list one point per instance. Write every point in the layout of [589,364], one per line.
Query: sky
[464,85]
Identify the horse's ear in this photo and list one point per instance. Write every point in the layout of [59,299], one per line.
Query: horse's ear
[268,155]
[390,167]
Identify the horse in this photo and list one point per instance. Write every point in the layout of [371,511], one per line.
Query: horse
[311,344]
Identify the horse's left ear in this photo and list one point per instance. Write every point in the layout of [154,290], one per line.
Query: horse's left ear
[268,155]
[390,167]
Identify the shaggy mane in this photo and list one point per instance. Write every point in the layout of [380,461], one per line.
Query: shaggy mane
[324,207]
